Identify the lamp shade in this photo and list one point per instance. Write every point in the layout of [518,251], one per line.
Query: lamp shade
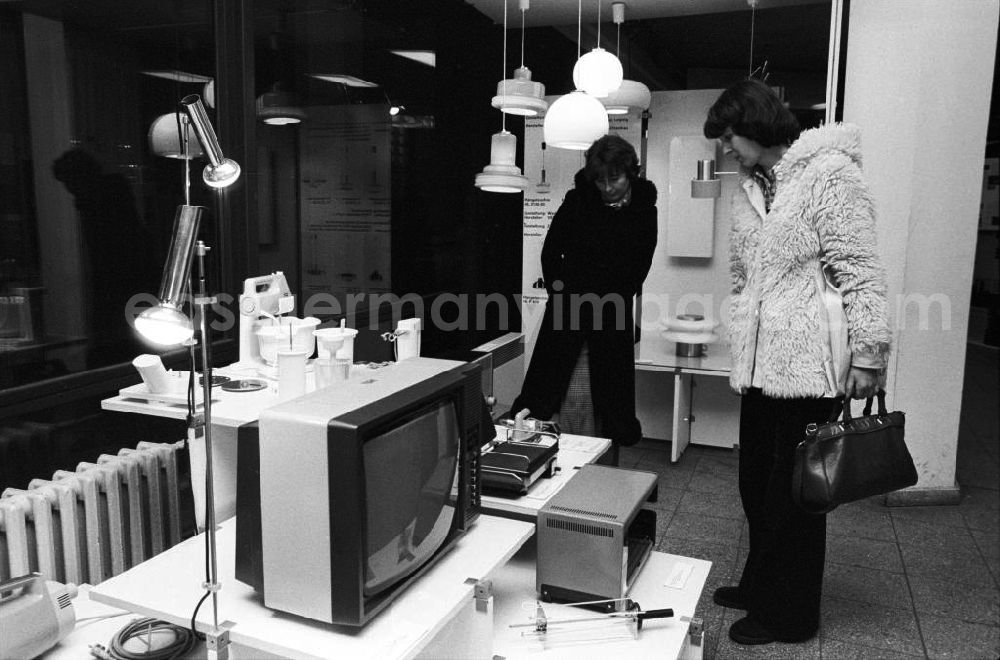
[630,94]
[165,325]
[520,95]
[574,121]
[502,174]
[165,137]
[220,172]
[277,109]
[598,73]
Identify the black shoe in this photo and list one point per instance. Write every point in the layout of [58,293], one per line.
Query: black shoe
[729,597]
[750,633]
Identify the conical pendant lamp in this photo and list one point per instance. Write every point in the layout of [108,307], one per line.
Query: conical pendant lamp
[598,73]
[502,174]
[520,95]
[576,119]
[630,94]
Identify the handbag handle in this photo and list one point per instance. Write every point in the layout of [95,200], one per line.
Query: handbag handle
[845,409]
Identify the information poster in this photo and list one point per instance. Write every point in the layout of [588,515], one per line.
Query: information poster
[346,200]
[550,173]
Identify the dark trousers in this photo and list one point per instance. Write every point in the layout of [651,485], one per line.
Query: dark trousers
[783,577]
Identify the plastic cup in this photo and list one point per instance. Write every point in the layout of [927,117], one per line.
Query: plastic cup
[335,342]
[291,374]
[331,371]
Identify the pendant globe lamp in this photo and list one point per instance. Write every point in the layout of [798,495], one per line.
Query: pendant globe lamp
[520,95]
[502,174]
[576,119]
[598,73]
[630,94]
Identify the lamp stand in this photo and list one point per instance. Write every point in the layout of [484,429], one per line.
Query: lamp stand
[217,640]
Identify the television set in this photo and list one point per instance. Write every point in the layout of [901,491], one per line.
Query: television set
[348,494]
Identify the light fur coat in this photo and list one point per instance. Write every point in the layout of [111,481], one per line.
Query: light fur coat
[821,207]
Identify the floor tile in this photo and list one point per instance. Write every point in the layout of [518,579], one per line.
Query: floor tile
[703,528]
[667,499]
[777,651]
[951,638]
[876,626]
[946,540]
[866,585]
[860,522]
[722,555]
[720,505]
[868,553]
[980,508]
[711,482]
[943,516]
[726,464]
[989,549]
[973,604]
[831,649]
[966,568]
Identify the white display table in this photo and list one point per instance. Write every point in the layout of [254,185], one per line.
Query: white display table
[712,416]
[169,585]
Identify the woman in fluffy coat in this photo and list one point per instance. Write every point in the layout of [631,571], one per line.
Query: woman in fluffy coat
[802,198]
[595,258]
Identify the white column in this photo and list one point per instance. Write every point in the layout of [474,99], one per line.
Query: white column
[918,80]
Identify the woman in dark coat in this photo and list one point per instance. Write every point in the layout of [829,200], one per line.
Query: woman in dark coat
[595,258]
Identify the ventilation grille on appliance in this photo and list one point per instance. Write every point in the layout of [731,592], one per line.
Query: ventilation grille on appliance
[579,528]
[94,523]
[594,514]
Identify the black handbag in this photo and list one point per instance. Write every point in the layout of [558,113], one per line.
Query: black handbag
[852,458]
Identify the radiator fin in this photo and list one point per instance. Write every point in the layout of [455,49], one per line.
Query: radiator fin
[88,525]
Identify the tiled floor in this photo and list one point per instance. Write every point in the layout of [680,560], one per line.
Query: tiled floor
[900,582]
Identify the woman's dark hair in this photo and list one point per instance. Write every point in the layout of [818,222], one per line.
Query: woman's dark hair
[753,111]
[610,156]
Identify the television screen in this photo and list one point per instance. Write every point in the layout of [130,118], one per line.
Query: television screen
[410,471]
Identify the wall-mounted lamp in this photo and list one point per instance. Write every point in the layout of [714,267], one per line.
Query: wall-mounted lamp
[706,183]
[220,172]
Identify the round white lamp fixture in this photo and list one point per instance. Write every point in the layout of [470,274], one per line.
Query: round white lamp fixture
[631,94]
[520,95]
[574,121]
[165,137]
[598,73]
[502,174]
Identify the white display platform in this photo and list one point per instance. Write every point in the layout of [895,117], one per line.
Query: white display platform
[666,581]
[168,586]
[711,417]
[575,451]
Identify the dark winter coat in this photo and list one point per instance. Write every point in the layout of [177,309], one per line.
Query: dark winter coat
[594,261]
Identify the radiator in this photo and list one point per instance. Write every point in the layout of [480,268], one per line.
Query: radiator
[93,523]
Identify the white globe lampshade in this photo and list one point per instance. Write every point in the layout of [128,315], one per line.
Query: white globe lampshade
[598,73]
[502,174]
[574,121]
[631,94]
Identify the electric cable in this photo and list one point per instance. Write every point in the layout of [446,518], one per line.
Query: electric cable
[182,643]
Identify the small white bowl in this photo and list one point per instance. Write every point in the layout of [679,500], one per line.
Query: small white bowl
[273,338]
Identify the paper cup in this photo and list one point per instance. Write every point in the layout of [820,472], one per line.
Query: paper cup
[291,374]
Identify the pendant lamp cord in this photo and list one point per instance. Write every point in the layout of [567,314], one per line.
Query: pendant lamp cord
[503,70]
[579,23]
[598,23]
[753,16]
[522,37]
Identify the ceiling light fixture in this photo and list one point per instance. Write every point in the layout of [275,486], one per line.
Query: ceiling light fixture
[598,72]
[630,94]
[520,95]
[502,174]
[426,57]
[576,119]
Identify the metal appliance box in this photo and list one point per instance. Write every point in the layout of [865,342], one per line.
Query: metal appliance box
[594,535]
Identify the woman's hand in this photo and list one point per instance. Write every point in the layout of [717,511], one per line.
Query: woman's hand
[861,383]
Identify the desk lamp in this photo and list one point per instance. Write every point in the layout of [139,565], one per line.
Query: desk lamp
[167,325]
